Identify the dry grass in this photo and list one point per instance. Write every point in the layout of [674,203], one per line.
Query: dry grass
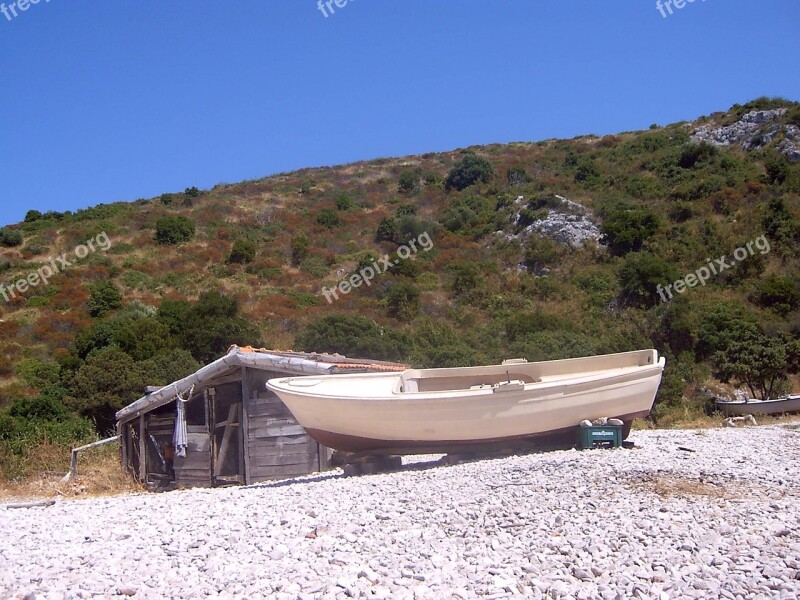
[699,420]
[673,486]
[99,474]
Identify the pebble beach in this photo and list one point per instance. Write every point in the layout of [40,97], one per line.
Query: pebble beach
[685,514]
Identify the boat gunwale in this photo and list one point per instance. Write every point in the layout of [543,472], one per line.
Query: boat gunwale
[607,378]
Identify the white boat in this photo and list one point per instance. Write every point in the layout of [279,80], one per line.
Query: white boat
[778,406]
[429,410]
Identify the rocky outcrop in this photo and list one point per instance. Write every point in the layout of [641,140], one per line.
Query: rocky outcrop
[754,130]
[570,223]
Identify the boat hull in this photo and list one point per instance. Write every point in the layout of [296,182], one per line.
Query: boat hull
[790,404]
[372,413]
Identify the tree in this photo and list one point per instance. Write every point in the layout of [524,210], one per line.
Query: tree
[471,169]
[32,215]
[109,380]
[104,297]
[212,324]
[243,251]
[758,361]
[640,276]
[174,230]
[142,337]
[627,229]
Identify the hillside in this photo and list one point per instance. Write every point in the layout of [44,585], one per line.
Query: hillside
[544,250]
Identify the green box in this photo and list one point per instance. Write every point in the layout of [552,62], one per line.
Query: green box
[599,436]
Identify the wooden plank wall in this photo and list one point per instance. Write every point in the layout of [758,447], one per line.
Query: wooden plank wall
[277,446]
[194,470]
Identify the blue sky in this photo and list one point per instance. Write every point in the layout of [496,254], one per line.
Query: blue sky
[119,100]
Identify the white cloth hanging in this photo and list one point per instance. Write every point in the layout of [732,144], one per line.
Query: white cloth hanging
[180,437]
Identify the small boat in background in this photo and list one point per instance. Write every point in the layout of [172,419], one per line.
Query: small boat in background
[778,406]
[458,409]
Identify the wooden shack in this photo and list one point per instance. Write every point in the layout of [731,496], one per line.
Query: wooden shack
[230,427]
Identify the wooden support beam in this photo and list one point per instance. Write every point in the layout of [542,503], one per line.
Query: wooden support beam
[142,451]
[226,435]
[244,450]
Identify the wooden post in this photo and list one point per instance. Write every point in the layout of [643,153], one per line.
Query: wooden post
[142,451]
[244,452]
[73,467]
[123,446]
[229,424]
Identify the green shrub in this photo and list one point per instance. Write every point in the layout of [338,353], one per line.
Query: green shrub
[693,155]
[408,182]
[680,212]
[469,214]
[104,297]
[37,373]
[524,325]
[405,209]
[10,237]
[554,345]
[208,327]
[344,202]
[402,301]
[780,225]
[315,266]
[32,215]
[437,345]
[300,246]
[542,253]
[627,229]
[37,302]
[404,268]
[640,276]
[327,217]
[465,279]
[173,230]
[587,171]
[353,336]
[777,167]
[779,293]
[387,231]
[243,251]
[517,176]
[793,115]
[471,169]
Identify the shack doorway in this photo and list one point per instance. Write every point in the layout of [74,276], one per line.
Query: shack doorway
[226,437]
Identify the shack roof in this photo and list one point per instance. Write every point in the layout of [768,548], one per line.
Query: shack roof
[301,363]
